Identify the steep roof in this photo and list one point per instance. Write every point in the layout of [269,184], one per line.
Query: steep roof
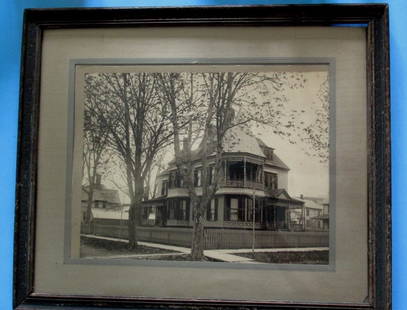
[311,203]
[275,161]
[237,140]
[101,193]
[113,214]
[240,140]
[281,193]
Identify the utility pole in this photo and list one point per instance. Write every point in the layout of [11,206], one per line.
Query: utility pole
[254,222]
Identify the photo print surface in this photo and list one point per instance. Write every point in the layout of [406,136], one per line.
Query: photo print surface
[215,163]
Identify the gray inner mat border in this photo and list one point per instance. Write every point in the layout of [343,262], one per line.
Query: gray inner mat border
[329,61]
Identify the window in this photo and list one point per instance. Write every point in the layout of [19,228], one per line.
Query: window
[249,209]
[259,174]
[235,170]
[171,209]
[182,211]
[269,153]
[100,204]
[175,180]
[164,188]
[171,180]
[180,180]
[198,177]
[152,213]
[178,209]
[240,208]
[234,208]
[212,212]
[145,212]
[253,172]
[257,210]
[211,175]
[270,180]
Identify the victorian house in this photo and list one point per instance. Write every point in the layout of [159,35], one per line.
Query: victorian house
[252,175]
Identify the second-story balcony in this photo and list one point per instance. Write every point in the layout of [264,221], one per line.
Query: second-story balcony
[237,172]
[241,173]
[242,184]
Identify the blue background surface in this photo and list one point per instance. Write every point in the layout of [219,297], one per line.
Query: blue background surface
[10,39]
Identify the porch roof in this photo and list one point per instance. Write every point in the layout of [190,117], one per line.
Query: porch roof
[111,214]
[101,193]
[324,217]
[281,196]
[155,201]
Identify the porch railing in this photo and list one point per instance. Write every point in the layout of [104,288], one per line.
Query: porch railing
[242,184]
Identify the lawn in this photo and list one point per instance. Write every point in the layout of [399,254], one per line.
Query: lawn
[96,247]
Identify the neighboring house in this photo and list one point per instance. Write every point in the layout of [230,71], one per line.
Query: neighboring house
[252,174]
[297,219]
[315,213]
[324,217]
[103,198]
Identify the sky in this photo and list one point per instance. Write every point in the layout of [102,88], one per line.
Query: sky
[308,175]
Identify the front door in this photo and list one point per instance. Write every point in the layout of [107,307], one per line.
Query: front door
[281,220]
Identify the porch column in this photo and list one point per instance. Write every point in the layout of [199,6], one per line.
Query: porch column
[262,174]
[303,217]
[225,170]
[244,171]
[287,218]
[275,217]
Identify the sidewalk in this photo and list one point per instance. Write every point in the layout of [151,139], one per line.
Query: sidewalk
[223,255]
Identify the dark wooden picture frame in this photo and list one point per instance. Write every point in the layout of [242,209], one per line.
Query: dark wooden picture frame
[374,17]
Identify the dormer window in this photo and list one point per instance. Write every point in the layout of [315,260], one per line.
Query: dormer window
[270,180]
[197,177]
[175,180]
[164,188]
[269,153]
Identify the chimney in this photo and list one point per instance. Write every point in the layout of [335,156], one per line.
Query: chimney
[302,196]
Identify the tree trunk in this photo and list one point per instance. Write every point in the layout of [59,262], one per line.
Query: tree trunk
[135,214]
[198,241]
[89,205]
[88,214]
[131,225]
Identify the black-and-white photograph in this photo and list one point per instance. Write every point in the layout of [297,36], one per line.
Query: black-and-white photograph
[227,164]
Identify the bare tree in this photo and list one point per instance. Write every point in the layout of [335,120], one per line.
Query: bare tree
[137,124]
[217,102]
